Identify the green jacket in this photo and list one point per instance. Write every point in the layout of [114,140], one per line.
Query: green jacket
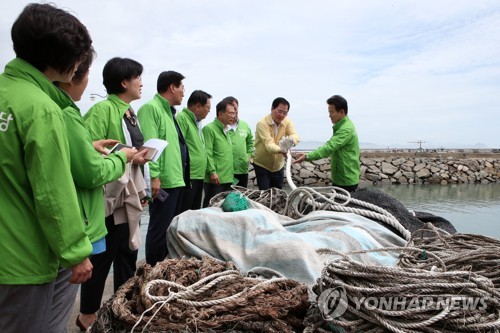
[104,119]
[196,143]
[219,152]
[90,172]
[157,121]
[343,150]
[242,142]
[40,222]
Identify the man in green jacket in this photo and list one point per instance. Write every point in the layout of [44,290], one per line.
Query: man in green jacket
[242,143]
[220,170]
[198,107]
[171,172]
[40,222]
[342,148]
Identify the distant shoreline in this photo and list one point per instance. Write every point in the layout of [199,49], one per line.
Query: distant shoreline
[455,153]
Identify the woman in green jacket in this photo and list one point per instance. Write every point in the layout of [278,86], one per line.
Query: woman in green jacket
[113,118]
[40,221]
[90,171]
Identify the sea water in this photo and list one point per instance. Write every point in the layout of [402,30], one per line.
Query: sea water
[471,208]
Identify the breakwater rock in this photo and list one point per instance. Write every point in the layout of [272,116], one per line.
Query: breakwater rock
[397,169]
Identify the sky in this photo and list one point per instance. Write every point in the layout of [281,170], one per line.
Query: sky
[410,70]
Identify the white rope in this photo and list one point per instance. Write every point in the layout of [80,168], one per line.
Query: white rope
[327,201]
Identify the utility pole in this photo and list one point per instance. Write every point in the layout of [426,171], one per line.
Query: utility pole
[419,144]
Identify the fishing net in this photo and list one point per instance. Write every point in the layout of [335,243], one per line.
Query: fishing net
[234,202]
[191,295]
[273,198]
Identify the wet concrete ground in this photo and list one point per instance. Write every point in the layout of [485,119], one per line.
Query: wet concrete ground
[108,292]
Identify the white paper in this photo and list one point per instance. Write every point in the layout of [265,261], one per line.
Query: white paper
[158,144]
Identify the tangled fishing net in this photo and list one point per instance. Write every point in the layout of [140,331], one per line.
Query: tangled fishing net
[445,283]
[191,295]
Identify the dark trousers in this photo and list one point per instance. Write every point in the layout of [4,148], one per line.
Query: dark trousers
[267,179]
[348,188]
[242,179]
[25,308]
[160,217]
[117,253]
[191,198]
[211,190]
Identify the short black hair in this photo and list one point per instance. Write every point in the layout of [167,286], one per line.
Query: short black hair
[198,96]
[232,99]
[339,102]
[165,79]
[46,36]
[118,69]
[221,106]
[278,101]
[84,66]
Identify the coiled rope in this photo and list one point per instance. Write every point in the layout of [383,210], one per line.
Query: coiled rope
[476,253]
[187,293]
[451,288]
[304,198]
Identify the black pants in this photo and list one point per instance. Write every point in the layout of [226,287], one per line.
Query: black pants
[211,190]
[267,179]
[191,198]
[117,253]
[160,216]
[348,188]
[242,179]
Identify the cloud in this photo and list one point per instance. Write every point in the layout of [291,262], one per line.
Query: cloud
[410,70]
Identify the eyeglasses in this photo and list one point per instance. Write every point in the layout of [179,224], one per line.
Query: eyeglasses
[281,112]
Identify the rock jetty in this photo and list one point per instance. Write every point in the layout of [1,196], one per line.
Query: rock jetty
[404,169]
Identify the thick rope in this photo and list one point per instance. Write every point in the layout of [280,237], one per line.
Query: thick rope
[440,285]
[196,289]
[304,199]
[409,284]
[308,197]
[190,291]
[277,305]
